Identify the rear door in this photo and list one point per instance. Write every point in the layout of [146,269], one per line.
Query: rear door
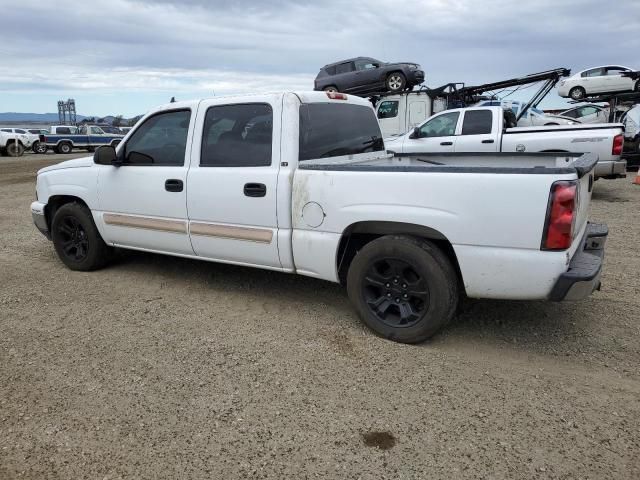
[232,182]
[345,78]
[436,135]
[479,132]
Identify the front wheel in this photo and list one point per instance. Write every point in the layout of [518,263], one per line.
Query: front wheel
[404,288]
[77,240]
[396,82]
[39,147]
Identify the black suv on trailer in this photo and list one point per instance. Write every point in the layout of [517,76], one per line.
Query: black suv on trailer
[365,75]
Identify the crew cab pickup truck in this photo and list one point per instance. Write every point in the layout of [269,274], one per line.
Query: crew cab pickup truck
[488,129]
[301,183]
[87,136]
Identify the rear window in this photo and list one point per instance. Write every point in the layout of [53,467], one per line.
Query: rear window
[63,130]
[333,129]
[477,122]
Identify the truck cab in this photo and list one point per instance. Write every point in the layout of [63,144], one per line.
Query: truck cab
[400,113]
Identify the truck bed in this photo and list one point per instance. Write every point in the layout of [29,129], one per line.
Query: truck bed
[490,162]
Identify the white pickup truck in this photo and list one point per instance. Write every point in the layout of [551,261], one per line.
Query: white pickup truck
[301,183]
[487,129]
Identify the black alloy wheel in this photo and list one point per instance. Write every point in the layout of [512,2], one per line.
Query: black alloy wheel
[74,241]
[395,293]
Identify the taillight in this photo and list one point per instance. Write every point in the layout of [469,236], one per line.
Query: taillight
[41,138]
[336,96]
[618,143]
[561,213]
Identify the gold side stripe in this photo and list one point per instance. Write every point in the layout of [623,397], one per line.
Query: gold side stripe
[175,226]
[260,235]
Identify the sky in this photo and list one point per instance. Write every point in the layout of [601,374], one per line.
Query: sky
[126,56]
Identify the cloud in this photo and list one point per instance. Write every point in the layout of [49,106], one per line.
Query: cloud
[196,46]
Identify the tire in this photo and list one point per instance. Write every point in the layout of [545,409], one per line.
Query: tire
[577,93]
[330,88]
[396,82]
[64,148]
[403,288]
[39,147]
[14,149]
[77,240]
[91,149]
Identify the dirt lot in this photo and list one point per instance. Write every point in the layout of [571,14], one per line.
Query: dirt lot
[160,367]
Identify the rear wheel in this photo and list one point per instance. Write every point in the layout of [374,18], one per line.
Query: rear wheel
[65,148]
[404,288]
[396,82]
[15,149]
[76,238]
[577,93]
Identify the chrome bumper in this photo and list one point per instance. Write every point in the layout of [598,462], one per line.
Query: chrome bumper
[611,169]
[39,218]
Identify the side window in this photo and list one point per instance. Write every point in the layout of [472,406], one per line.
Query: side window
[344,68]
[96,131]
[8,130]
[82,130]
[364,64]
[331,70]
[584,111]
[388,109]
[477,122]
[594,72]
[237,136]
[441,126]
[19,130]
[64,131]
[572,113]
[160,140]
[615,70]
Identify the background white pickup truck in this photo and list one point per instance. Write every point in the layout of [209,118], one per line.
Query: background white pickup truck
[301,183]
[484,129]
[13,144]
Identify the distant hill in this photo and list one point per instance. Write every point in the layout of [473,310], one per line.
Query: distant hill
[32,117]
[15,118]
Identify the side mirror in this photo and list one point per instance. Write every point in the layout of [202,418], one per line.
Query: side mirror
[415,133]
[105,155]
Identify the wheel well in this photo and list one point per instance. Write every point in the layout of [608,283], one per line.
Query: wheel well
[395,71]
[55,202]
[13,140]
[359,234]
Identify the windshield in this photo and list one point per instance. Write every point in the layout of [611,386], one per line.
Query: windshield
[332,129]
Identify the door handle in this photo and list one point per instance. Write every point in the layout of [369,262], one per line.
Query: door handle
[444,144]
[255,189]
[488,141]
[173,185]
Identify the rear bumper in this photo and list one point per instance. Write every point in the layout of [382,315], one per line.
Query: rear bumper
[39,218]
[611,169]
[583,275]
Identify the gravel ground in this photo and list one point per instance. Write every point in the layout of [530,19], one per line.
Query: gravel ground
[160,367]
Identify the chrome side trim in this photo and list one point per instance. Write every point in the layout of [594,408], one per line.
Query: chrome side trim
[260,235]
[147,223]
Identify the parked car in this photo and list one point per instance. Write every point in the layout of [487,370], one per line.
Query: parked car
[533,117]
[607,79]
[485,129]
[416,237]
[588,113]
[87,136]
[364,74]
[29,140]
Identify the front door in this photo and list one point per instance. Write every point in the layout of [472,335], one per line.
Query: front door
[143,203]
[436,135]
[232,195]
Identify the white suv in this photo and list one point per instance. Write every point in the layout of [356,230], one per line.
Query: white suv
[607,79]
[29,139]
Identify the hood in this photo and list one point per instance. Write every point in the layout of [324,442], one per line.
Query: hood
[75,163]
